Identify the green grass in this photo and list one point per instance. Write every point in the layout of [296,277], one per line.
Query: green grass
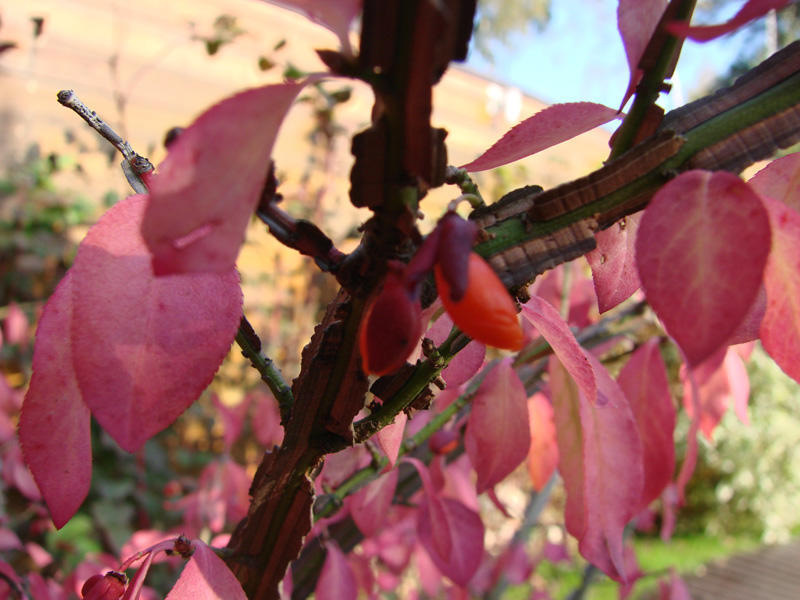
[686,554]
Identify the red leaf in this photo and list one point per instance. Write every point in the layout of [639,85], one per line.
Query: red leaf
[701,249]
[370,505]
[451,533]
[144,347]
[780,328]
[465,364]
[646,386]
[780,180]
[206,576]
[390,438]
[498,435]
[750,327]
[205,191]
[752,9]
[550,126]
[553,329]
[600,460]
[637,21]
[613,263]
[336,580]
[336,16]
[543,455]
[54,424]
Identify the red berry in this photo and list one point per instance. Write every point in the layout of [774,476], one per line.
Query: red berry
[110,586]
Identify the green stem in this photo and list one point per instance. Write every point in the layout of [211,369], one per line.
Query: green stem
[266,368]
[651,85]
[512,232]
[423,375]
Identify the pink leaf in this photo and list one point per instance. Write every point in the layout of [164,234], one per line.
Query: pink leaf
[780,180]
[206,576]
[780,328]
[738,384]
[450,532]
[498,436]
[724,384]
[701,249]
[205,191]
[370,505]
[637,21]
[752,9]
[646,386]
[266,419]
[466,532]
[54,424]
[16,326]
[550,126]
[600,460]
[334,15]
[673,589]
[613,263]
[553,329]
[465,364]
[144,347]
[390,438]
[543,454]
[232,418]
[336,580]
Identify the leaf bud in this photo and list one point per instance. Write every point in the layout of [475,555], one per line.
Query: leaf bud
[392,324]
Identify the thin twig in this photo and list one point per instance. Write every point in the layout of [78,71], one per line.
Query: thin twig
[134,165]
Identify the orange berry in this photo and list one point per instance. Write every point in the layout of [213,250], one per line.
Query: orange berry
[487,312]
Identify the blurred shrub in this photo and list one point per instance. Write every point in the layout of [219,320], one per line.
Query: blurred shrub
[748,481]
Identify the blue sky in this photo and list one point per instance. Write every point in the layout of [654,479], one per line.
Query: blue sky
[579,56]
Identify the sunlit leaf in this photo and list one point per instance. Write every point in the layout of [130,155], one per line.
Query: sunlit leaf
[646,386]
[637,21]
[600,460]
[613,263]
[206,190]
[144,347]
[54,424]
[780,328]
[543,455]
[552,327]
[701,249]
[550,126]
[780,180]
[334,15]
[450,532]
[498,436]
